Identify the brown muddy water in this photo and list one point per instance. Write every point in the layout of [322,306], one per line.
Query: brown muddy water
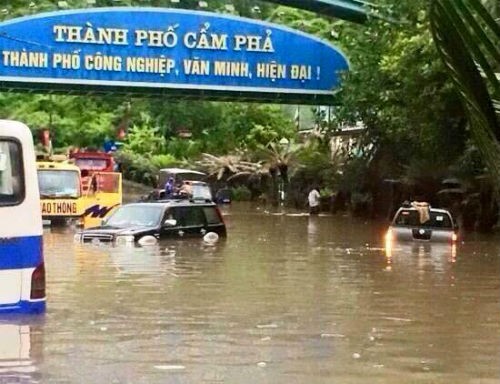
[284,299]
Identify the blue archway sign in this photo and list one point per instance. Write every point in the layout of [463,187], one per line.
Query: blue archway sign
[171,52]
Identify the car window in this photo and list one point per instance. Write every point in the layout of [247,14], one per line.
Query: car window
[212,215]
[131,215]
[409,217]
[11,173]
[440,220]
[189,216]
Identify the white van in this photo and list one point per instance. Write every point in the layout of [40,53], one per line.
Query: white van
[22,270]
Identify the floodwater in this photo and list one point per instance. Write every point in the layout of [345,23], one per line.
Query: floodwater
[285,299]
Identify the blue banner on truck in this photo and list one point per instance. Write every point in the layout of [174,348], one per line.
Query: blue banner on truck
[167,49]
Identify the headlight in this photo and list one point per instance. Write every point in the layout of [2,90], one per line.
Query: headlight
[125,239]
[77,238]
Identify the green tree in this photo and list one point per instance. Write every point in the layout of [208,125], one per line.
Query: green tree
[468,38]
[144,139]
[399,89]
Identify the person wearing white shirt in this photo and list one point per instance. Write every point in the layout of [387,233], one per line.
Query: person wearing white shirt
[313,200]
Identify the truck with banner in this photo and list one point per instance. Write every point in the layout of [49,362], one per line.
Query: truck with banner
[82,190]
[101,186]
[60,190]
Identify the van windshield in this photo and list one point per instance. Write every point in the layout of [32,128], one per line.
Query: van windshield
[58,184]
[136,215]
[410,217]
[202,192]
[179,176]
[11,178]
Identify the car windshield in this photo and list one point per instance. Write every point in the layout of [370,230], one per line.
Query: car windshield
[409,217]
[59,183]
[136,215]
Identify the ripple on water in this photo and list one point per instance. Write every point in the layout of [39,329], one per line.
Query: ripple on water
[300,294]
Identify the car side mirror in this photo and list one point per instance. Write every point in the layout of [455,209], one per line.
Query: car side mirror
[170,223]
[104,222]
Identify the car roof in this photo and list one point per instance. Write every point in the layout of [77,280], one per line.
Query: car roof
[180,170]
[186,202]
[436,210]
[58,166]
[195,182]
[173,203]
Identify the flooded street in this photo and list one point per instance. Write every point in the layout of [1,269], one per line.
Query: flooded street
[284,299]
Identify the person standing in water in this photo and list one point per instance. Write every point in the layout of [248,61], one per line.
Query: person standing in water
[313,200]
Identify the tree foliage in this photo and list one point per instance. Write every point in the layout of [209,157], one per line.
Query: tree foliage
[154,124]
[468,38]
[399,89]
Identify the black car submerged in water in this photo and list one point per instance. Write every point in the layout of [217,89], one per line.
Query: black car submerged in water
[146,223]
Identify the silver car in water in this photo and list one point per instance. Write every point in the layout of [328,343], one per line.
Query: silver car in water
[409,225]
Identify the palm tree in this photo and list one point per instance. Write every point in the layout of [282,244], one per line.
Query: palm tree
[277,158]
[227,166]
[468,38]
[274,161]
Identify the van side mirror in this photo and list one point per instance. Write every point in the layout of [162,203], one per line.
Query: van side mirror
[170,223]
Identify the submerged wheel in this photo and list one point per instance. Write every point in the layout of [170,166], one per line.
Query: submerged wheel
[147,240]
[211,238]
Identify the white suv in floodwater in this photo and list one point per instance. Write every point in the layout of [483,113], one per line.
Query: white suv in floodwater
[422,223]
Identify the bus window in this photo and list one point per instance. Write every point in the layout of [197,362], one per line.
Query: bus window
[11,178]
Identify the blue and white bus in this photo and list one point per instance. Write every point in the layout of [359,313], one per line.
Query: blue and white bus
[22,270]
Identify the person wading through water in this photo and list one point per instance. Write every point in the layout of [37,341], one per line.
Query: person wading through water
[313,200]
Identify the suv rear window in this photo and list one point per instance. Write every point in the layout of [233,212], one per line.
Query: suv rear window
[11,172]
[212,215]
[411,218]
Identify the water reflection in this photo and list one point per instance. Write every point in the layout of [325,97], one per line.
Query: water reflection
[422,256]
[312,228]
[21,349]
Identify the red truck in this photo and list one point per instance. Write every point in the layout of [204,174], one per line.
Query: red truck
[93,166]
